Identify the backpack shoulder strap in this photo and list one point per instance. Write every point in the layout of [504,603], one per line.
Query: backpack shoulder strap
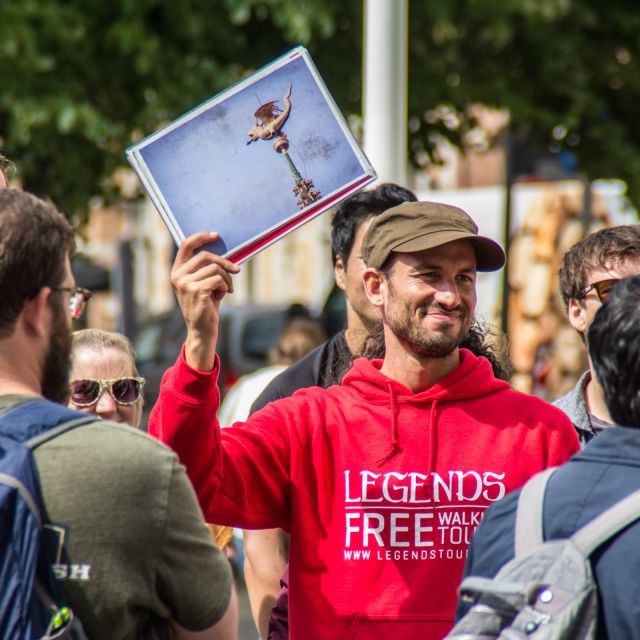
[32,443]
[605,526]
[25,493]
[17,405]
[36,420]
[529,527]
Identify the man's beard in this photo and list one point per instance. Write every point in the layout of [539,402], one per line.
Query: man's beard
[404,323]
[57,361]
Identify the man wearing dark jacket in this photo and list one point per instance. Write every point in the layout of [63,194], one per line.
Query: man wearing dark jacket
[603,473]
[129,547]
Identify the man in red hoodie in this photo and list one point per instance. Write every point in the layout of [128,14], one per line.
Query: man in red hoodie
[382,480]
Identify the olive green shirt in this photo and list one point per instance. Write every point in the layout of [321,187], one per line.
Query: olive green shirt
[129,538]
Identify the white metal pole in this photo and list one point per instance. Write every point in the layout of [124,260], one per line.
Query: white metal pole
[385,88]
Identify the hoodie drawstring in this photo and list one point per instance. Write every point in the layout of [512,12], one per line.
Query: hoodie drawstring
[395,442]
[432,438]
[395,439]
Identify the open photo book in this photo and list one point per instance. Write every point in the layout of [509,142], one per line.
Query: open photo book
[255,161]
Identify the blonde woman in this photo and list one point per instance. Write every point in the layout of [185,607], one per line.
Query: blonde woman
[104,377]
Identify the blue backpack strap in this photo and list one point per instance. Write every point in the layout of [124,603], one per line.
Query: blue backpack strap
[24,426]
[31,421]
[529,531]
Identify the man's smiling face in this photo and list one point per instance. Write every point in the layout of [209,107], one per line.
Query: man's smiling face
[431,297]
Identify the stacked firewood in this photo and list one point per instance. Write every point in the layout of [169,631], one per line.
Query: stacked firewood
[547,353]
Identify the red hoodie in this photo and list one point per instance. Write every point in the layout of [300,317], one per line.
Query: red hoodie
[380,487]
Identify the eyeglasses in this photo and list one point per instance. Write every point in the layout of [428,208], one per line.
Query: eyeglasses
[77,301]
[602,288]
[125,391]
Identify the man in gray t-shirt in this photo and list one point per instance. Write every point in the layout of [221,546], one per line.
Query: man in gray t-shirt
[131,550]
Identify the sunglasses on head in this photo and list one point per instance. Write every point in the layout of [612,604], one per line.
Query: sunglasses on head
[125,391]
[602,288]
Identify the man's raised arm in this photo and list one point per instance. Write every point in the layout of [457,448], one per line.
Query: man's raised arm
[224,468]
[188,391]
[200,281]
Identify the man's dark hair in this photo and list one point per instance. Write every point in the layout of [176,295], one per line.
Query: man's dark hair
[614,347]
[359,207]
[599,250]
[35,239]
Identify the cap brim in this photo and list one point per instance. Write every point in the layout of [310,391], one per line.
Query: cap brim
[490,256]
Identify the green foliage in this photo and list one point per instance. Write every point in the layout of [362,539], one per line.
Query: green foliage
[568,67]
[83,79]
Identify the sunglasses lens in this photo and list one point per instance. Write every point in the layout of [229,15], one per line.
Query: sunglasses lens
[604,289]
[126,390]
[76,304]
[84,392]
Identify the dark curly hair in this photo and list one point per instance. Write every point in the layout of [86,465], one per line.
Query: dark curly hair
[488,342]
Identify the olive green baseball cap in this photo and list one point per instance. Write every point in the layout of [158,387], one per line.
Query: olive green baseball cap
[414,226]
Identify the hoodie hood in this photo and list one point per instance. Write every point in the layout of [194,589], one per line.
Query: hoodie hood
[472,379]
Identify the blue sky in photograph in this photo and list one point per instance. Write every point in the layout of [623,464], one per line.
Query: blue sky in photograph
[214,181]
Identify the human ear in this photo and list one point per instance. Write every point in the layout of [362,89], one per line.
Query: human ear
[34,313]
[339,272]
[576,313]
[374,283]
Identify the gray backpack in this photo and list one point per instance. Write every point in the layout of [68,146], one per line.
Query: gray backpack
[547,591]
